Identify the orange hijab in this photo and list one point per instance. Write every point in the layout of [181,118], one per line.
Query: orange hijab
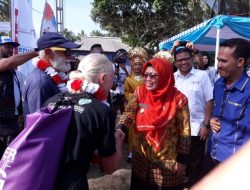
[159,106]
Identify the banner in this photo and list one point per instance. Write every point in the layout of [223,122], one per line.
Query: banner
[23,30]
[5,27]
[49,23]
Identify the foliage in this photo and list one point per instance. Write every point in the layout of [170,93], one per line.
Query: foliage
[232,7]
[96,33]
[146,22]
[3,34]
[80,35]
[4,10]
[69,34]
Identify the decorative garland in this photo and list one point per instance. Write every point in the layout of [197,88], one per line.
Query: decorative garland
[60,79]
[77,86]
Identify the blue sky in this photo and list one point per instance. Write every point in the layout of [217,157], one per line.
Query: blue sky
[76,15]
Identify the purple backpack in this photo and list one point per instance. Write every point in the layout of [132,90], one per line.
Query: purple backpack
[32,159]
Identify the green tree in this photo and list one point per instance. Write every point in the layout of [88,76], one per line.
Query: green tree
[144,22]
[80,35]
[233,7]
[69,35]
[96,33]
[4,10]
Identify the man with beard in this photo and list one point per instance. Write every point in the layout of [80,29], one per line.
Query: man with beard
[49,77]
[10,92]
[230,120]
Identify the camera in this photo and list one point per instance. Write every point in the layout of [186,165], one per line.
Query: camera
[183,43]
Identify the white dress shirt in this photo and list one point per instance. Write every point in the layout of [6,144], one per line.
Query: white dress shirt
[197,87]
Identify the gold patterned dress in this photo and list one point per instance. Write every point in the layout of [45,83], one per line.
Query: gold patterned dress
[156,169]
[131,83]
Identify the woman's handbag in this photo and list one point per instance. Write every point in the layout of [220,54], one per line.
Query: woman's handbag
[31,161]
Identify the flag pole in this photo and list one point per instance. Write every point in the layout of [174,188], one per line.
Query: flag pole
[10,17]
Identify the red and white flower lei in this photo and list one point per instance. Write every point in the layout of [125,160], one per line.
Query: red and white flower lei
[60,79]
[78,86]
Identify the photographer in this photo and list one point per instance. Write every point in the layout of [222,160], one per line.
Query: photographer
[121,73]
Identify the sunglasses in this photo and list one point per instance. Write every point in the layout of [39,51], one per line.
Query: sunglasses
[150,75]
[67,52]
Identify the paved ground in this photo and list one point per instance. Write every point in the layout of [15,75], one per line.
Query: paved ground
[119,180]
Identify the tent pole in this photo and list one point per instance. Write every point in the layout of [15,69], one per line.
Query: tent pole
[217,47]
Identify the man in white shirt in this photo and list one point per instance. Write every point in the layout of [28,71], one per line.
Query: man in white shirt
[196,85]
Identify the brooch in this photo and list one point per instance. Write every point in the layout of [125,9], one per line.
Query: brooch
[142,111]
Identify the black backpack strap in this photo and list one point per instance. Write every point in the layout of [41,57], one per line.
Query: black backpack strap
[69,101]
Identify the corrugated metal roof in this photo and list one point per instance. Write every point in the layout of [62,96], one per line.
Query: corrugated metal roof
[109,44]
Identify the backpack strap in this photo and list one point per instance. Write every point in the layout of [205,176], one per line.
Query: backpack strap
[68,101]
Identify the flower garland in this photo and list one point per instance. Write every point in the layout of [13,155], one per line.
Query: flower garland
[77,86]
[59,79]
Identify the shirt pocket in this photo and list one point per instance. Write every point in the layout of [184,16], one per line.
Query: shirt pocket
[195,100]
[195,88]
[235,110]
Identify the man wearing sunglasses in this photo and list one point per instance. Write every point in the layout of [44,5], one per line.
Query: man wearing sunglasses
[49,77]
[197,87]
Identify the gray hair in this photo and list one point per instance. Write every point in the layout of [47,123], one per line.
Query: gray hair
[94,64]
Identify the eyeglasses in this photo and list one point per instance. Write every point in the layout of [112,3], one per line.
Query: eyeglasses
[150,75]
[183,59]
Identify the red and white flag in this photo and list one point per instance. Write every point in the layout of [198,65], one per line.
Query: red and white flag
[49,23]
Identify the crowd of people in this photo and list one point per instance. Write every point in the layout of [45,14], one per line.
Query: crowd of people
[182,117]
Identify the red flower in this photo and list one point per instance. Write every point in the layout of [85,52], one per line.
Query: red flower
[42,64]
[76,84]
[56,79]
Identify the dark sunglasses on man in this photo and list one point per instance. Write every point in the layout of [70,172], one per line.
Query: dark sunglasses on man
[67,52]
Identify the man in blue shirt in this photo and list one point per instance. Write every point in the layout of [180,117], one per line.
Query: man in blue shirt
[48,78]
[230,120]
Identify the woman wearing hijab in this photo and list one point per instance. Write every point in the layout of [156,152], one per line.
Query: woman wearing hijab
[161,150]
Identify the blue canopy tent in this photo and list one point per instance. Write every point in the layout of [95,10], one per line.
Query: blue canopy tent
[207,35]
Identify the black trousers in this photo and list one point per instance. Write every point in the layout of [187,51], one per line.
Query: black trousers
[117,103]
[196,158]
[138,184]
[208,164]
[8,131]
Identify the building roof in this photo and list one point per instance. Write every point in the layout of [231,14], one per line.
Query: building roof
[109,44]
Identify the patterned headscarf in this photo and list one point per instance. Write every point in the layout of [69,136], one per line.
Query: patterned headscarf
[158,107]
